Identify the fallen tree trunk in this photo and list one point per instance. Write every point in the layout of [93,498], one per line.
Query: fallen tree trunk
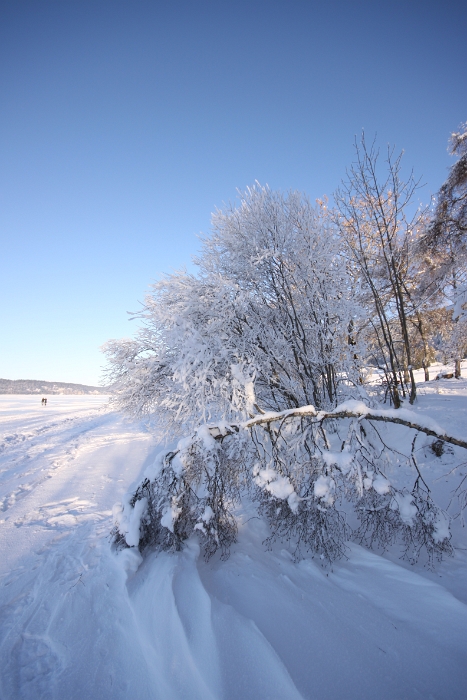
[351,409]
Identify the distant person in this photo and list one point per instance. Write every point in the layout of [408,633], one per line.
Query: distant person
[43,401]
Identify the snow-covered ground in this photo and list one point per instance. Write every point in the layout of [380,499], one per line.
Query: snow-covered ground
[77,622]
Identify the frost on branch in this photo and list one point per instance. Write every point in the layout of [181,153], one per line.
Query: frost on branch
[306,473]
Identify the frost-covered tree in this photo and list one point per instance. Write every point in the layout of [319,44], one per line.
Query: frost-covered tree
[445,243]
[263,326]
[449,224]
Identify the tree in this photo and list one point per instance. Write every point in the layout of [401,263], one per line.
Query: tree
[263,326]
[445,242]
[449,224]
[378,233]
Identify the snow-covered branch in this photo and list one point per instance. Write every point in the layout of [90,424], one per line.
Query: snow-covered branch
[297,471]
[359,410]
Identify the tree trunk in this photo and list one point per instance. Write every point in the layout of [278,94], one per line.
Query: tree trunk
[427,373]
[457,370]
[426,362]
[406,375]
[413,387]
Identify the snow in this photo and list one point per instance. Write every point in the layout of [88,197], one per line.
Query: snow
[324,489]
[169,517]
[133,534]
[441,530]
[279,486]
[207,515]
[381,485]
[404,503]
[79,621]
[460,301]
[353,406]
[153,470]
[342,459]
[361,409]
[247,384]
[128,518]
[206,438]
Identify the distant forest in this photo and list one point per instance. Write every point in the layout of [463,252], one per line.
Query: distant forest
[33,386]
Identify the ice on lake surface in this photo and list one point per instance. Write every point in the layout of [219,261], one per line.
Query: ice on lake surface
[78,621]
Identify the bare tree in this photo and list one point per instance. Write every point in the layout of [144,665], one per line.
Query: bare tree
[379,232]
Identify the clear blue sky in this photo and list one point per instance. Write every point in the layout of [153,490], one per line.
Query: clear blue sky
[125,123]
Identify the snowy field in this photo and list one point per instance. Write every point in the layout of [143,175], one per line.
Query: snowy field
[77,622]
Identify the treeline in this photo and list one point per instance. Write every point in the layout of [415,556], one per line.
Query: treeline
[33,386]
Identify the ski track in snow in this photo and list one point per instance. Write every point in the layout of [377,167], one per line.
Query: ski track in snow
[75,624]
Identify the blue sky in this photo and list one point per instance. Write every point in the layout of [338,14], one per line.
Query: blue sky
[124,124]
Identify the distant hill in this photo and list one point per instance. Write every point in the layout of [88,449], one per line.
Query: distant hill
[33,386]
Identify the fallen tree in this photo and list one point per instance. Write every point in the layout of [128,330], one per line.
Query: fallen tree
[307,471]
